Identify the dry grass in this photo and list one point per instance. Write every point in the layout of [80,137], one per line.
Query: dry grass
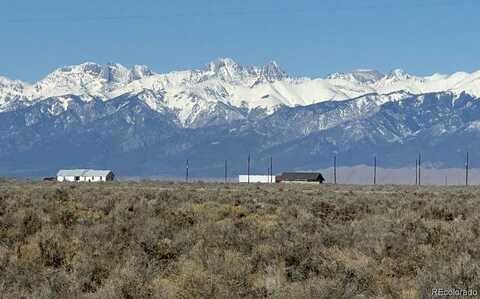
[168,240]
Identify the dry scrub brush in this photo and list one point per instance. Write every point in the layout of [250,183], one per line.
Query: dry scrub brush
[168,240]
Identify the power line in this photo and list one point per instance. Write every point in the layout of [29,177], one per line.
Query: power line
[245,12]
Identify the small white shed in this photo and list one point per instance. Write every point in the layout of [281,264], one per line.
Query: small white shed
[84,175]
[265,179]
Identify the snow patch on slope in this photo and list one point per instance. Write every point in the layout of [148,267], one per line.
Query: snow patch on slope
[196,92]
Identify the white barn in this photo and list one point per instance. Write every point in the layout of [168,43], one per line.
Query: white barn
[84,175]
[265,179]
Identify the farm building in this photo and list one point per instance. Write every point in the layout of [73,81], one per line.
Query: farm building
[84,175]
[300,177]
[256,179]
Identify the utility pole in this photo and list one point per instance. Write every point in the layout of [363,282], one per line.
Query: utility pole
[416,172]
[225,171]
[248,169]
[419,169]
[335,169]
[186,172]
[466,170]
[375,170]
[271,170]
[252,159]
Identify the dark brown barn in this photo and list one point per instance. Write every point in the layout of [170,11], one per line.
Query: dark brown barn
[300,177]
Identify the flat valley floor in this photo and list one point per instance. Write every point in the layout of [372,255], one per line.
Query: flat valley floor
[199,240]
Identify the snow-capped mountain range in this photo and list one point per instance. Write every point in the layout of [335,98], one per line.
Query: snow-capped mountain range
[139,122]
[188,93]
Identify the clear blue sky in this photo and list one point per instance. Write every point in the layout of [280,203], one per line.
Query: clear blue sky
[310,38]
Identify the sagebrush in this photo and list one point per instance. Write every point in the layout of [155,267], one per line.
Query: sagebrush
[198,240]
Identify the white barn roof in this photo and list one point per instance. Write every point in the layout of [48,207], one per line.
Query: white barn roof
[83,172]
[93,172]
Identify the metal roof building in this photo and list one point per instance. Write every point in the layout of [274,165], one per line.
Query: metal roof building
[84,175]
[301,177]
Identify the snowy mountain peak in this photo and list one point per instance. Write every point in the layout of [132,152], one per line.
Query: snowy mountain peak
[86,72]
[111,72]
[228,70]
[398,75]
[272,72]
[88,79]
[5,81]
[139,72]
[224,66]
[11,84]
[225,82]
[12,93]
[361,75]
